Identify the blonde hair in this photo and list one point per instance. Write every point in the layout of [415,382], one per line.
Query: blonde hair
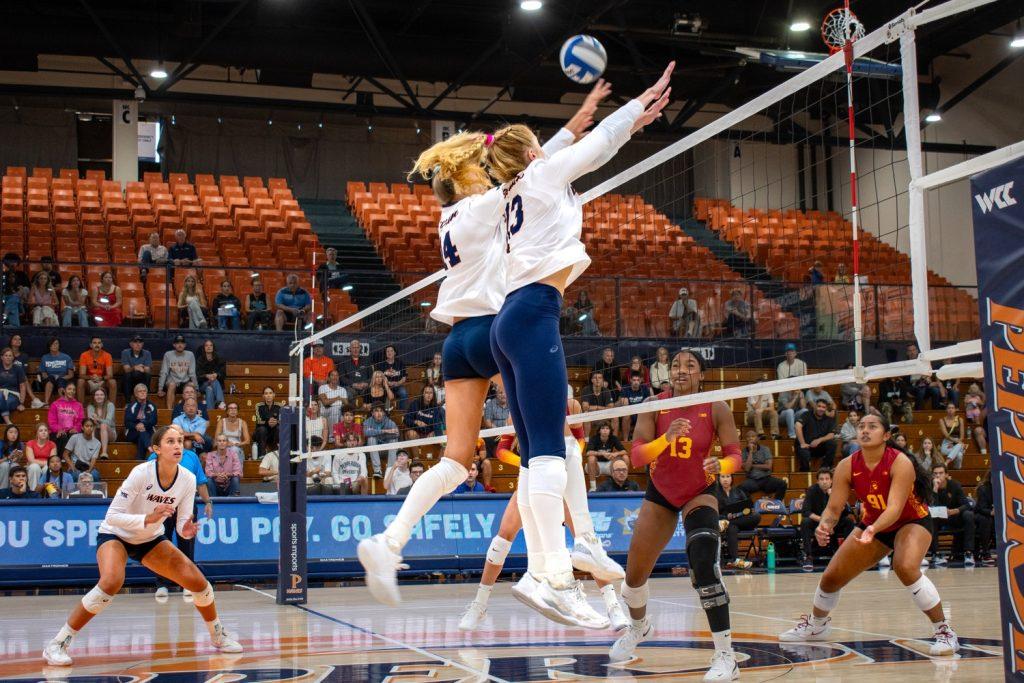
[506,157]
[455,165]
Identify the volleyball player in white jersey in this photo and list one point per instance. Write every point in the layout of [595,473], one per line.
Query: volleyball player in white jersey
[472,248]
[134,528]
[543,221]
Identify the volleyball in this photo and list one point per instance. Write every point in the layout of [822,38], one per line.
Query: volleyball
[583,59]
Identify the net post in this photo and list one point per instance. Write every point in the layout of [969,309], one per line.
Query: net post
[292,580]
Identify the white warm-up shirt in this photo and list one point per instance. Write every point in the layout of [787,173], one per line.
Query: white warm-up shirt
[139,495]
[543,216]
[473,251]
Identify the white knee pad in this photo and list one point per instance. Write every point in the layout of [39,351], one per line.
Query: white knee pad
[451,473]
[826,602]
[95,601]
[924,593]
[635,597]
[498,551]
[203,598]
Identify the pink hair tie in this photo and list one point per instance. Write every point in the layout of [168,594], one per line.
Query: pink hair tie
[489,140]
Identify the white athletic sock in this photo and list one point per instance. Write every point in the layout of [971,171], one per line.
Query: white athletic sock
[534,552]
[547,488]
[818,621]
[483,594]
[637,623]
[576,489]
[65,633]
[723,640]
[439,480]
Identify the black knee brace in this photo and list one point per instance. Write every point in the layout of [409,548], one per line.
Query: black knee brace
[703,550]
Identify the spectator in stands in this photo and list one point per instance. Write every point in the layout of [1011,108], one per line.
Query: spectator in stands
[959,519]
[137,364]
[926,457]
[603,450]
[140,421]
[192,304]
[425,417]
[84,488]
[380,392]
[356,371]
[396,375]
[106,302]
[761,407]
[974,403]
[82,451]
[793,406]
[660,375]
[47,265]
[348,470]
[379,429]
[894,396]
[842,277]
[950,389]
[497,413]
[954,437]
[101,411]
[483,466]
[619,481]
[585,314]
[316,425]
[815,501]
[757,463]
[211,370]
[609,370]
[791,366]
[20,357]
[152,254]
[329,274]
[848,434]
[471,485]
[853,395]
[815,434]
[734,511]
[333,398]
[984,519]
[182,252]
[635,367]
[189,391]
[177,368]
[234,429]
[13,385]
[257,309]
[267,418]
[15,289]
[685,315]
[925,386]
[55,482]
[738,315]
[18,486]
[569,322]
[432,374]
[269,466]
[75,302]
[194,426]
[293,304]
[397,476]
[42,302]
[431,326]
[65,417]
[596,396]
[37,453]
[815,394]
[635,393]
[416,470]
[224,467]
[56,369]
[12,453]
[227,308]
[96,370]
[346,426]
[316,368]
[816,274]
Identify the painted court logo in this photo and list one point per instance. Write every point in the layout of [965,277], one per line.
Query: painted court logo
[998,197]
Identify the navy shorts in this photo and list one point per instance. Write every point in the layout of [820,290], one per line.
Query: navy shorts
[136,551]
[467,350]
[888,538]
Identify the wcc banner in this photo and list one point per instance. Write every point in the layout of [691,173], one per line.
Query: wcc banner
[999,248]
[41,541]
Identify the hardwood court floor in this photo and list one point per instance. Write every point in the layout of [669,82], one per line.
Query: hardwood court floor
[343,636]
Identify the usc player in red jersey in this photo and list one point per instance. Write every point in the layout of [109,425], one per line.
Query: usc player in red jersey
[895,519]
[677,445]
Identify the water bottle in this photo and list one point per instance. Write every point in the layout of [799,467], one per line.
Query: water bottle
[771,557]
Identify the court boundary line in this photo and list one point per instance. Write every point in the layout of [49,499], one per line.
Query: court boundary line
[387,639]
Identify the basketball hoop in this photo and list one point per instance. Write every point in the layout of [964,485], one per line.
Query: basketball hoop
[839,26]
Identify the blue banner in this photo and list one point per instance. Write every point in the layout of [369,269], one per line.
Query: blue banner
[999,252]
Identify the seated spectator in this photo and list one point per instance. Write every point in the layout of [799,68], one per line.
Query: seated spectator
[140,421]
[660,371]
[293,304]
[257,308]
[432,374]
[848,434]
[137,364]
[569,322]
[397,476]
[815,501]
[425,417]
[13,386]
[396,375]
[269,466]
[178,367]
[585,314]
[47,265]
[267,417]
[974,402]
[346,426]
[182,252]
[416,470]
[85,487]
[227,308]
[635,367]
[211,370]
[55,482]
[619,481]
[842,277]
[356,371]
[483,466]
[15,289]
[101,411]
[75,301]
[791,366]
[603,450]
[792,406]
[635,393]
[65,417]
[954,437]
[192,304]
[316,425]
[925,457]
[189,391]
[329,274]
[984,517]
[949,494]
[950,389]
[595,396]
[816,394]
[42,301]
[759,408]
[37,454]
[234,429]
[894,396]
[106,302]
[609,369]
[18,487]
[82,451]
[685,315]
[56,369]
[348,470]
[379,391]
[738,316]
[96,370]
[12,453]
[925,386]
[194,426]
[333,398]
[855,396]
[380,429]
[471,485]
[152,254]
[20,357]
[224,468]
[316,367]
[497,413]
[815,437]
[735,512]
[757,463]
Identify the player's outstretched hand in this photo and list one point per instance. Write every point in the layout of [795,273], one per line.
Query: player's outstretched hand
[657,91]
[189,529]
[823,533]
[584,117]
[867,534]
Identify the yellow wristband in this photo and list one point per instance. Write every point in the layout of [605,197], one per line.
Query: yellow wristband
[727,466]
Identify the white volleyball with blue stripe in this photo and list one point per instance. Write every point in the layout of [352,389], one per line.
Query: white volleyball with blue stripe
[583,59]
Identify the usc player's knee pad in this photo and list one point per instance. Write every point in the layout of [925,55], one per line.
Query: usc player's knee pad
[703,549]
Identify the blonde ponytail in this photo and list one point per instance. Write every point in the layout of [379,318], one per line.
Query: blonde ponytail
[506,156]
[455,164]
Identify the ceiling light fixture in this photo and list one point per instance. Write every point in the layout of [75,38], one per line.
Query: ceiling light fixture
[934,117]
[800,26]
[1018,39]
[530,5]
[158,71]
